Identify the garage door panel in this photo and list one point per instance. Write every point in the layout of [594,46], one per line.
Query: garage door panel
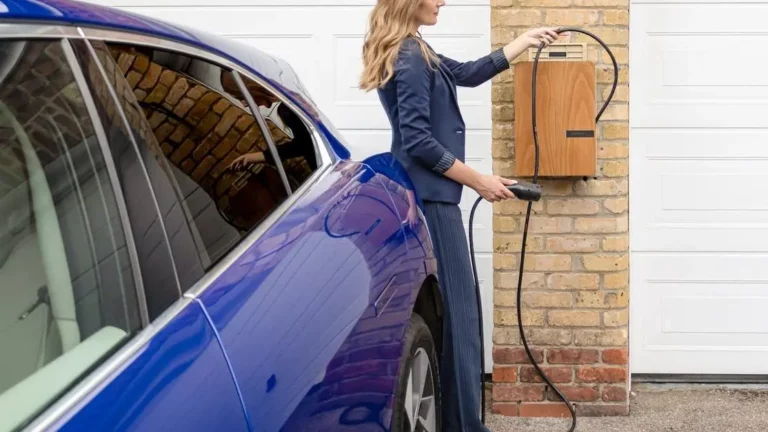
[706,305]
[699,182]
[699,190]
[699,66]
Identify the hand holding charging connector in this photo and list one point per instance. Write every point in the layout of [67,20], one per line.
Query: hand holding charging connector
[526,191]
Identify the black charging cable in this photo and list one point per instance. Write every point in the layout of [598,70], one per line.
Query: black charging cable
[531,192]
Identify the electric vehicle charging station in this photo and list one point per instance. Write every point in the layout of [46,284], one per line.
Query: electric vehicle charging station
[569,151]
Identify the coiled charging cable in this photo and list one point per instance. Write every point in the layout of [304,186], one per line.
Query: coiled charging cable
[530,192]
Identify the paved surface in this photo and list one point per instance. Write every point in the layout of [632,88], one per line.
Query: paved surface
[664,409]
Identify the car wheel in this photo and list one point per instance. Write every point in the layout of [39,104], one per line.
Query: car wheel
[417,400]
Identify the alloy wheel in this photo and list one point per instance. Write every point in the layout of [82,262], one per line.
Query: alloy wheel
[420,394]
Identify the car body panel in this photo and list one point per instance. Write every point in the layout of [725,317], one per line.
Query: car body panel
[179,380]
[298,352]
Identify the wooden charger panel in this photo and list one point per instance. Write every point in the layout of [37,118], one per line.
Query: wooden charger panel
[566,109]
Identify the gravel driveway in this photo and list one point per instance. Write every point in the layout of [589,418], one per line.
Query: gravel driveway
[664,409]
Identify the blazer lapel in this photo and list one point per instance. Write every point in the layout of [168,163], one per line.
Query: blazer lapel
[448,76]
[451,82]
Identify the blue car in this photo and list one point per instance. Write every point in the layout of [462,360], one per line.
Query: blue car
[187,245]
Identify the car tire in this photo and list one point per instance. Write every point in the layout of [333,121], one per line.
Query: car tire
[418,356]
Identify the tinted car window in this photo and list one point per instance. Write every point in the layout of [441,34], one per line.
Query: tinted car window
[66,280]
[292,137]
[202,125]
[134,161]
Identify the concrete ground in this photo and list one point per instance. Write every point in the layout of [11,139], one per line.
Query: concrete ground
[671,408]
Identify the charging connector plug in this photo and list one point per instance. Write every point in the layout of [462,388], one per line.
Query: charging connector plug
[526,191]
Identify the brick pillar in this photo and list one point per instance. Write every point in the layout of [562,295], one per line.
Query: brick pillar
[575,293]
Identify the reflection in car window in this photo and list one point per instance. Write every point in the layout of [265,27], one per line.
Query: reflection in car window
[294,140]
[202,125]
[66,281]
[161,287]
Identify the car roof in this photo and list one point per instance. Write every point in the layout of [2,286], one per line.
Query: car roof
[268,67]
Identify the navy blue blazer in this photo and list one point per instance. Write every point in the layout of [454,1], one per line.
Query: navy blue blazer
[428,130]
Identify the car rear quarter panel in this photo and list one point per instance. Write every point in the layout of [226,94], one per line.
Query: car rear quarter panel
[312,315]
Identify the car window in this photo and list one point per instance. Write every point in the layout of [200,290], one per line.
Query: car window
[290,134]
[203,126]
[135,160]
[67,292]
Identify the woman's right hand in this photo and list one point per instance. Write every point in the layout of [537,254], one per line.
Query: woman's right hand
[493,188]
[532,38]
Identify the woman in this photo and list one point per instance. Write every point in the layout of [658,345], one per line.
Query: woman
[417,88]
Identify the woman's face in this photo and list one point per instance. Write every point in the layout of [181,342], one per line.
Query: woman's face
[427,12]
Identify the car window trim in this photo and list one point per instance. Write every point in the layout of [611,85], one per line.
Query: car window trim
[267,132]
[256,112]
[109,163]
[68,405]
[14,29]
[21,29]
[113,94]
[322,151]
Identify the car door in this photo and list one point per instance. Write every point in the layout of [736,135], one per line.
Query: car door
[68,285]
[78,266]
[181,378]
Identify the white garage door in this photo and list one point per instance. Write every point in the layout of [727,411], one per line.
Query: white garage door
[322,40]
[699,187]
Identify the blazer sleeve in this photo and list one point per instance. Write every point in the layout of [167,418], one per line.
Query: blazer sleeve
[412,79]
[476,72]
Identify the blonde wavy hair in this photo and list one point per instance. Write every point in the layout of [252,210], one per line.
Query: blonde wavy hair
[389,24]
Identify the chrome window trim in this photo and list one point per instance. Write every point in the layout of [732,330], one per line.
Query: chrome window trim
[67,406]
[109,163]
[264,130]
[15,29]
[127,125]
[155,42]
